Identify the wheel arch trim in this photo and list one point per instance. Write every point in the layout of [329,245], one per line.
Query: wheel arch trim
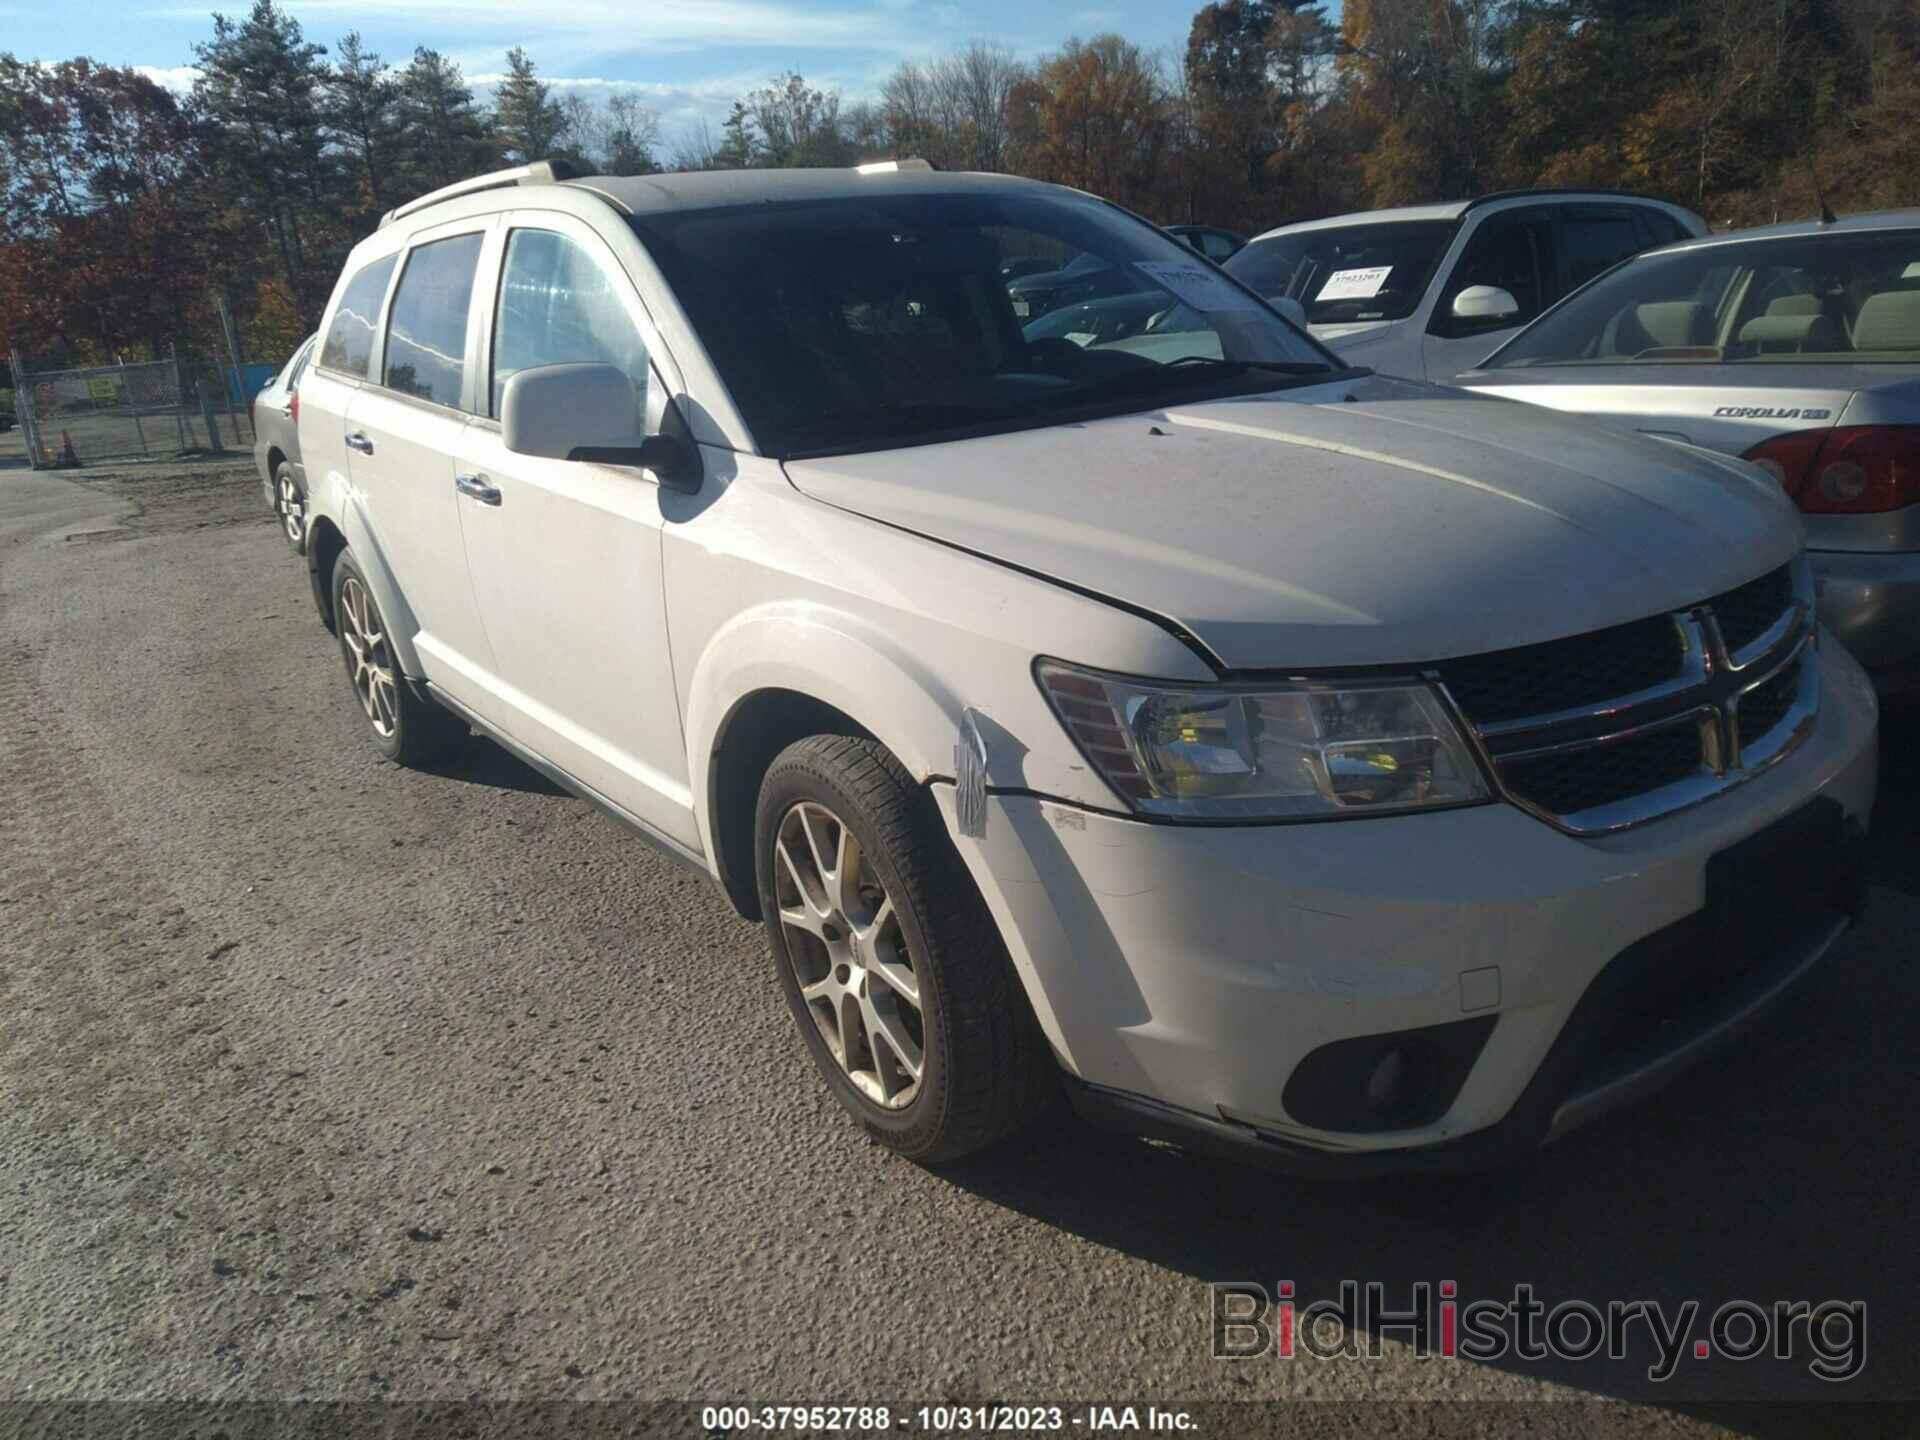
[339,508]
[822,656]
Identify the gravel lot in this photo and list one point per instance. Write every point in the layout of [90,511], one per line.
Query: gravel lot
[331,1080]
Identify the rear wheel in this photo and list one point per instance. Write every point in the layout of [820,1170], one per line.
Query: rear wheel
[890,961]
[408,728]
[290,504]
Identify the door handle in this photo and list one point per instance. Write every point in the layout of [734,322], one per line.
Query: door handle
[358,441]
[477,487]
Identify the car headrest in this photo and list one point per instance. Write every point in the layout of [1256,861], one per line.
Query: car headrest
[1888,321]
[1795,305]
[1670,323]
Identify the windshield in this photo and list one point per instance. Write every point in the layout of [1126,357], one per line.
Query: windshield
[1834,297]
[871,322]
[1347,273]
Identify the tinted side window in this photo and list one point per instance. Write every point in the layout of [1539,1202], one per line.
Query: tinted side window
[1508,252]
[1661,228]
[1594,242]
[427,327]
[558,307]
[349,343]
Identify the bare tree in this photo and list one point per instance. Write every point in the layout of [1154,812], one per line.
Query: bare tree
[694,147]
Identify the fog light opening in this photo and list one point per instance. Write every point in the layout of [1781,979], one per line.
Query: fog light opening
[1387,1085]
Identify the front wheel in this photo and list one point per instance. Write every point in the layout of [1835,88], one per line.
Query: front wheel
[902,988]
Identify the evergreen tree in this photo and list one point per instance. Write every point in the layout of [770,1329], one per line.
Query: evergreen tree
[261,85]
[447,135]
[362,109]
[528,122]
[736,150]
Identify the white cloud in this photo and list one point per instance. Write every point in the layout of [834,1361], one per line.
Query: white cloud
[177,78]
[656,24]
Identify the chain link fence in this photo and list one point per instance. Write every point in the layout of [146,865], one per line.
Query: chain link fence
[160,409]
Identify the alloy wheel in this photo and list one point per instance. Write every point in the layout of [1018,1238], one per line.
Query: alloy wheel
[849,955]
[369,660]
[293,508]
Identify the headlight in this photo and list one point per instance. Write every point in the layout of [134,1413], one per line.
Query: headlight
[1297,751]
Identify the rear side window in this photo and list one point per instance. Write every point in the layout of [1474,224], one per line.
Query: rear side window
[559,307]
[1661,228]
[349,342]
[427,328]
[1594,241]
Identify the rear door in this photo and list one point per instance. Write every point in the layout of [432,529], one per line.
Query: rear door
[340,367]
[566,556]
[404,431]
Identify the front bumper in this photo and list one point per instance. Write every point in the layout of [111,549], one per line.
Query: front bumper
[1871,601]
[1182,973]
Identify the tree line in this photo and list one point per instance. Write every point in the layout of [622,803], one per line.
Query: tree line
[128,213]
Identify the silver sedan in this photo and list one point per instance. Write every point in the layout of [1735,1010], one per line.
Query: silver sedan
[276,447]
[1796,346]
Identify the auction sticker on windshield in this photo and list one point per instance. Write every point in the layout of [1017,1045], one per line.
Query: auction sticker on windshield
[1197,284]
[1354,284]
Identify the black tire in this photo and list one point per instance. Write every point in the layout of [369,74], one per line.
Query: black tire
[986,1067]
[293,526]
[409,728]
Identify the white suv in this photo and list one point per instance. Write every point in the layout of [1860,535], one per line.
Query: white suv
[1428,291]
[1324,768]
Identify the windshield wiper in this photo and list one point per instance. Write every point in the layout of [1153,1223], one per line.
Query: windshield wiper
[1278,367]
[1189,368]
[900,416]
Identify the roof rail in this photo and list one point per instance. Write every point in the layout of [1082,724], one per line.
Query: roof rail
[889,167]
[1491,196]
[541,172]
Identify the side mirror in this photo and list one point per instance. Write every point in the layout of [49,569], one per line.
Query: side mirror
[1289,307]
[590,412]
[1485,302]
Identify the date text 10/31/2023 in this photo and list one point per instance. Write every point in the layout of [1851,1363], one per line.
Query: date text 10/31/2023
[947,1419]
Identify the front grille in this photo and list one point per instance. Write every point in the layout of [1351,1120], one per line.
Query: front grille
[1628,723]
[1767,704]
[1746,612]
[1564,784]
[1566,674]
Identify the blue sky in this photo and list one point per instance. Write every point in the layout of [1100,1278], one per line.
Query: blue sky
[686,58]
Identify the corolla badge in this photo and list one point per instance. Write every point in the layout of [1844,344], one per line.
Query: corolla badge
[1769,412]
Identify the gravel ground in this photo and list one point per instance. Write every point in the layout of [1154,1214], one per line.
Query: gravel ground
[335,1081]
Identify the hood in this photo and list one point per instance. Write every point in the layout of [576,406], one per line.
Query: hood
[1355,336]
[1308,529]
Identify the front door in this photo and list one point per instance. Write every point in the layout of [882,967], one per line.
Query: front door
[565,556]
[1511,249]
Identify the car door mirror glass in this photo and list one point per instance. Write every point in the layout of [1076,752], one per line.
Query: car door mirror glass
[1484,303]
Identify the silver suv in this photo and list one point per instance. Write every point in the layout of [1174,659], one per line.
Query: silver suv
[1426,291]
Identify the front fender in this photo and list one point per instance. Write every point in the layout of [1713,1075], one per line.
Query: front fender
[831,657]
